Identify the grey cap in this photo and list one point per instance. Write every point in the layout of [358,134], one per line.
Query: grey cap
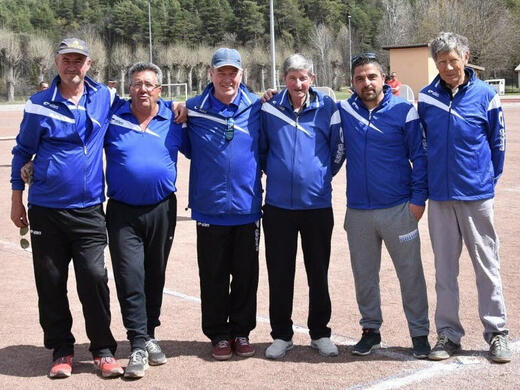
[226,57]
[73,45]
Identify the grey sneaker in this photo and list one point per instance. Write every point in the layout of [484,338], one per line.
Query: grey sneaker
[278,349]
[443,349]
[137,364]
[325,346]
[499,350]
[156,356]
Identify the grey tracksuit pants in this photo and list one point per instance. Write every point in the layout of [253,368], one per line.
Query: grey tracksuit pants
[397,227]
[451,222]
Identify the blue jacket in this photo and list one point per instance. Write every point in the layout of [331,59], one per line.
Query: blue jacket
[68,172]
[386,160]
[225,186]
[465,134]
[299,151]
[142,165]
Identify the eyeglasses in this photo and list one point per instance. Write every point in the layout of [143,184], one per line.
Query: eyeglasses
[24,242]
[230,129]
[363,56]
[147,86]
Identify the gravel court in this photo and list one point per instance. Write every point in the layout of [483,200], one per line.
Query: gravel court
[24,362]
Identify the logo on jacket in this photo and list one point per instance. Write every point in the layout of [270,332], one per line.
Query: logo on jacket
[432,92]
[50,105]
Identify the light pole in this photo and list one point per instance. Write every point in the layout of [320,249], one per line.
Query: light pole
[150,30]
[273,54]
[350,49]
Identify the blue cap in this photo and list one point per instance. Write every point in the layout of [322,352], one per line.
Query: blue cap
[73,45]
[226,57]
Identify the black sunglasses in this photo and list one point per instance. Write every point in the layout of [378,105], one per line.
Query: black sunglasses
[363,56]
[230,129]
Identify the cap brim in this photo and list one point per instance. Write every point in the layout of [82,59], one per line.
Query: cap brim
[71,50]
[220,65]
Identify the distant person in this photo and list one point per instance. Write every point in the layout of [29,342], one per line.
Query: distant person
[63,128]
[141,147]
[225,197]
[298,145]
[394,83]
[466,137]
[112,86]
[386,193]
[43,85]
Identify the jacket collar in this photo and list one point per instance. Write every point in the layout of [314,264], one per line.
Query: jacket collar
[164,109]
[91,87]
[440,84]
[314,100]
[204,101]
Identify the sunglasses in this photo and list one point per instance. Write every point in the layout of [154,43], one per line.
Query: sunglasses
[363,56]
[24,242]
[230,129]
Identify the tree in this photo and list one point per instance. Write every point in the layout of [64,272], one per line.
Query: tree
[40,50]
[12,56]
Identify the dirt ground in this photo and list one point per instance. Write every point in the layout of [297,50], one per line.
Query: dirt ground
[24,361]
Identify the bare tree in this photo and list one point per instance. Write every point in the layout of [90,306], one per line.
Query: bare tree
[395,26]
[322,42]
[12,56]
[121,57]
[40,50]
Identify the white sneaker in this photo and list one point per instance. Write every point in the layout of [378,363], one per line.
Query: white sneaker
[325,347]
[278,349]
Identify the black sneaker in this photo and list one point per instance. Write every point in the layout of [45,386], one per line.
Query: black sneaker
[369,340]
[499,350]
[156,356]
[421,347]
[137,364]
[443,349]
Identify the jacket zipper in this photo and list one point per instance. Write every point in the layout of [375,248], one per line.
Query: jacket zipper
[365,157]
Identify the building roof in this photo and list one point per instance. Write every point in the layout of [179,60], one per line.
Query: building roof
[476,67]
[517,69]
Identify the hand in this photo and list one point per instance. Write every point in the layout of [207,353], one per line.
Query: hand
[26,172]
[18,214]
[268,95]
[180,112]
[417,211]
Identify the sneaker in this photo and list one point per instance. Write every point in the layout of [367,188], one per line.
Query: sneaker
[242,347]
[278,349]
[443,349]
[108,366]
[156,356]
[421,347]
[137,364]
[222,350]
[61,367]
[369,340]
[325,346]
[499,350]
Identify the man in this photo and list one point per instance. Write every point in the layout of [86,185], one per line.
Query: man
[141,148]
[465,132]
[64,126]
[43,86]
[394,83]
[225,198]
[111,84]
[386,193]
[299,137]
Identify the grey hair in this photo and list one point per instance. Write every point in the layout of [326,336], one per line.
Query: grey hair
[297,62]
[448,41]
[143,66]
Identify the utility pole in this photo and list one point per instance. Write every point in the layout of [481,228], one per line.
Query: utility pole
[273,54]
[350,49]
[150,29]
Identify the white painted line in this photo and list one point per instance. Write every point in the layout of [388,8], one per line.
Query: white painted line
[435,369]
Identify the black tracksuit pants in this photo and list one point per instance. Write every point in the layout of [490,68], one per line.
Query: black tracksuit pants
[224,253]
[140,239]
[57,236]
[281,227]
